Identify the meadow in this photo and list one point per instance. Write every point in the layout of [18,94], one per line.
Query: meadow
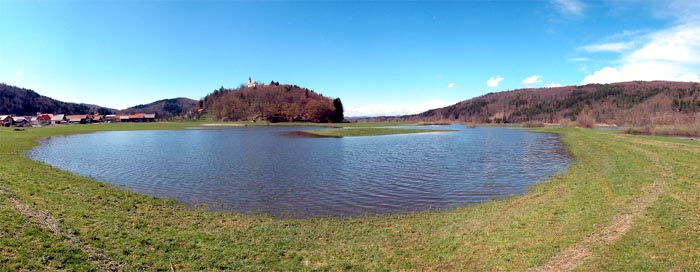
[626,203]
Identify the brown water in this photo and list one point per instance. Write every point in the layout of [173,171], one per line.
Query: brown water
[264,170]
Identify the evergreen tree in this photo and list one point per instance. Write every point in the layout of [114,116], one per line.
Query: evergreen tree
[338,112]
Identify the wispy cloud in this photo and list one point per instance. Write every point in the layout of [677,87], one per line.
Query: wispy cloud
[451,85]
[569,7]
[608,47]
[553,85]
[394,109]
[19,73]
[532,80]
[494,81]
[669,54]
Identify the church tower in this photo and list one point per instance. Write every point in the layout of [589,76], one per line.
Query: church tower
[250,83]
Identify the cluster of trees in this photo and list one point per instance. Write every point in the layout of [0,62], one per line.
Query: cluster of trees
[274,102]
[620,103]
[21,101]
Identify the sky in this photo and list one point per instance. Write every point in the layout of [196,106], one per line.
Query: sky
[379,57]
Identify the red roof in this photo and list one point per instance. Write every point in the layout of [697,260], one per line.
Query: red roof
[44,117]
[137,115]
[79,116]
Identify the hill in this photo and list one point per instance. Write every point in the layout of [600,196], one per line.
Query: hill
[626,103]
[274,103]
[166,108]
[20,101]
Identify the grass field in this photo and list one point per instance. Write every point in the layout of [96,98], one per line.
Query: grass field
[627,203]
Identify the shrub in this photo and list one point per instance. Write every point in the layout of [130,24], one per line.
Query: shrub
[584,119]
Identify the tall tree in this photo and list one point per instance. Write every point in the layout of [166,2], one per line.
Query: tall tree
[338,112]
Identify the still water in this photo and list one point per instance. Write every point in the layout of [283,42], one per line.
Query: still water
[265,170]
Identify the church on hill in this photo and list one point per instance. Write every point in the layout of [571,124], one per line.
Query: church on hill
[251,83]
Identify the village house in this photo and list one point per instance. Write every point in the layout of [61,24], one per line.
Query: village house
[138,117]
[58,119]
[19,121]
[97,118]
[6,120]
[109,118]
[79,119]
[41,119]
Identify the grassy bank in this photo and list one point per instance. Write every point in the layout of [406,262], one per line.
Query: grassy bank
[645,188]
[366,131]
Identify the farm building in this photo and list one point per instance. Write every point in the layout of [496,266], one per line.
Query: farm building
[58,119]
[79,119]
[6,120]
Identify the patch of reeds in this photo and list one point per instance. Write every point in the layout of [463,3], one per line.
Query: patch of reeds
[533,124]
[567,123]
[668,125]
[434,123]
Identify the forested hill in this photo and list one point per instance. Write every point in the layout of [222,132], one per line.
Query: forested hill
[20,101]
[272,102]
[619,103]
[166,108]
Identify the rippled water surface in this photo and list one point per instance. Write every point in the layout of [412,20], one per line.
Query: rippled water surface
[264,170]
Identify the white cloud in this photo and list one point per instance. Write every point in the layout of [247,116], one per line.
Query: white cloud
[19,73]
[608,47]
[394,109]
[532,80]
[669,54]
[553,85]
[681,44]
[580,59]
[451,85]
[570,7]
[494,81]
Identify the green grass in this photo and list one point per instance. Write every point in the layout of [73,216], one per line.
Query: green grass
[367,131]
[521,232]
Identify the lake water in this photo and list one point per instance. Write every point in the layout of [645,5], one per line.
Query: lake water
[265,170]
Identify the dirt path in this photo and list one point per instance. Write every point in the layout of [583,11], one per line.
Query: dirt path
[575,255]
[51,224]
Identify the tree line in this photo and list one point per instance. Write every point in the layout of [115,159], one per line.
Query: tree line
[25,102]
[621,103]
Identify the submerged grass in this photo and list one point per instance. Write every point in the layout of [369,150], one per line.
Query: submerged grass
[141,232]
[367,131]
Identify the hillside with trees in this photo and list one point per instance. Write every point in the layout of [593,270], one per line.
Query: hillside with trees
[273,102]
[21,101]
[166,108]
[627,103]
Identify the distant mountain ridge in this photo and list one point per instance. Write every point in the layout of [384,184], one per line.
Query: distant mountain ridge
[166,108]
[21,101]
[26,102]
[620,103]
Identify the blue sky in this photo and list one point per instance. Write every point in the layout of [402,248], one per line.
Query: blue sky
[380,58]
